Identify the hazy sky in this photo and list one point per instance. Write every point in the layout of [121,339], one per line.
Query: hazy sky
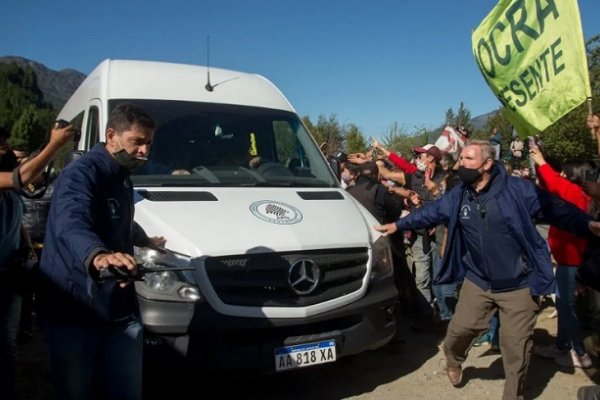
[370,63]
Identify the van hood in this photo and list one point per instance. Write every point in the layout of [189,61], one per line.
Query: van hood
[227,221]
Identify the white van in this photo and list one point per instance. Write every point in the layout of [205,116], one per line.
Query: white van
[287,270]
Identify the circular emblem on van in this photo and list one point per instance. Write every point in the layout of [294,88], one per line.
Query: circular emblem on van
[303,276]
[276,212]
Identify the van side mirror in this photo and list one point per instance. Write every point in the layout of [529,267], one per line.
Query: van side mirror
[336,165]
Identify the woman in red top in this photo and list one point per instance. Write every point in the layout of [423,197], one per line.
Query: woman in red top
[567,250]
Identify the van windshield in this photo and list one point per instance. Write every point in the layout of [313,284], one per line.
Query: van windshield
[208,144]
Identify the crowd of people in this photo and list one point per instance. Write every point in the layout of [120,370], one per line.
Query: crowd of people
[474,261]
[468,257]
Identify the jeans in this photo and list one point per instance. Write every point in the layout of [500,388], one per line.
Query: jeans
[10,315]
[569,330]
[84,357]
[421,265]
[497,148]
[492,332]
[445,295]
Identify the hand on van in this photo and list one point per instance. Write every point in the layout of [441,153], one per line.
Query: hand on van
[387,229]
[121,260]
[157,243]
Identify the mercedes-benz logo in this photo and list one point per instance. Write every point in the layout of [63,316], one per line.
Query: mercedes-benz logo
[303,276]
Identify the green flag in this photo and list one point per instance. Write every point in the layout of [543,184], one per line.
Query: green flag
[532,55]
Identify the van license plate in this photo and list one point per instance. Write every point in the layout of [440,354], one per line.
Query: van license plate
[304,355]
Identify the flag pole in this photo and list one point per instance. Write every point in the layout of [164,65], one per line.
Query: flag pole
[592,122]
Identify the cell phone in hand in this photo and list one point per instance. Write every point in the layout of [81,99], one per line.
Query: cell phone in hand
[373,153]
[61,123]
[532,143]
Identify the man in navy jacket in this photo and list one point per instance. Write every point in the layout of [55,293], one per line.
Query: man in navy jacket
[92,326]
[496,251]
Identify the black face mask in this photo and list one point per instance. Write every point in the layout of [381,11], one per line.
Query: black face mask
[468,175]
[128,161]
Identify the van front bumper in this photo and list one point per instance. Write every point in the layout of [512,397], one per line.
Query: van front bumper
[202,338]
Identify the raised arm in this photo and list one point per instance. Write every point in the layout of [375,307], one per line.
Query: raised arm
[398,161]
[593,122]
[32,168]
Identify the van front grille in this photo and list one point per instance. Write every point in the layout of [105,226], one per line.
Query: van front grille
[263,280]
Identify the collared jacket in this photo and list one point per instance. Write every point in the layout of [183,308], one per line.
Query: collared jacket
[376,199]
[520,203]
[91,212]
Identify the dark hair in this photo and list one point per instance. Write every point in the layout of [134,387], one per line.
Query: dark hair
[20,148]
[575,171]
[4,132]
[448,160]
[8,161]
[369,170]
[125,115]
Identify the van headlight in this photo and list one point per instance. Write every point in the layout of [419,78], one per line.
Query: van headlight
[166,285]
[383,267]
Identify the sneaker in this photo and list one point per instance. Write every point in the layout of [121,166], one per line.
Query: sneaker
[483,339]
[574,360]
[548,351]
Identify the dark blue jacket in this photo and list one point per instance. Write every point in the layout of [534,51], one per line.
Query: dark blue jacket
[519,203]
[91,212]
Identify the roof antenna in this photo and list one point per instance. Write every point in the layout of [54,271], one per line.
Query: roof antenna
[208,86]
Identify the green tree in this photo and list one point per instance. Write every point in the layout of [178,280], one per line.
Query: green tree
[22,109]
[18,89]
[355,140]
[450,117]
[30,130]
[593,53]
[568,138]
[328,134]
[399,140]
[463,117]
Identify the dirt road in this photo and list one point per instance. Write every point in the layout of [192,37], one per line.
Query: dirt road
[412,368]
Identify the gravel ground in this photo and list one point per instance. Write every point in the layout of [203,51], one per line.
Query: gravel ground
[411,367]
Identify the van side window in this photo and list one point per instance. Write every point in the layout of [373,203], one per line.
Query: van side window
[93,127]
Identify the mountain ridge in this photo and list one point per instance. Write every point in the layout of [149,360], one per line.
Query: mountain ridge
[56,86]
